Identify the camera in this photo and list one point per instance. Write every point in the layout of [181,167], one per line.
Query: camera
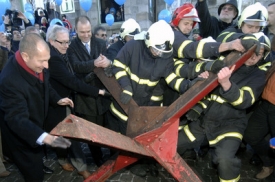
[8,35]
[13,16]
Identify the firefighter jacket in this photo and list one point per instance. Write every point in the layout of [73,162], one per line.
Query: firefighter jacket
[224,113]
[187,52]
[135,66]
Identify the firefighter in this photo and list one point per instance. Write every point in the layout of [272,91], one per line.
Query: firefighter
[220,118]
[117,117]
[139,66]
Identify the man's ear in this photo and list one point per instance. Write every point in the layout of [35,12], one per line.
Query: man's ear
[25,56]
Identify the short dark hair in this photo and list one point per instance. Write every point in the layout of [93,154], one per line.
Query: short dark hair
[83,19]
[64,16]
[98,28]
[29,43]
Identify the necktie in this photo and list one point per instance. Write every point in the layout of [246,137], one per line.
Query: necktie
[87,47]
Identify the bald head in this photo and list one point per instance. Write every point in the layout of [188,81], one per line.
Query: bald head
[30,44]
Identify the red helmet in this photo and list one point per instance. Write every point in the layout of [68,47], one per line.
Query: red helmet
[187,10]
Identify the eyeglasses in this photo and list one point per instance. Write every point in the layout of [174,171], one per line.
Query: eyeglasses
[227,8]
[63,43]
[103,35]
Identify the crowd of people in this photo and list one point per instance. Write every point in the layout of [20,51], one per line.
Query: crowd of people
[47,74]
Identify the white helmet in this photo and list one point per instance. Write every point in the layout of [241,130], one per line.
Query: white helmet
[129,27]
[265,42]
[255,14]
[160,37]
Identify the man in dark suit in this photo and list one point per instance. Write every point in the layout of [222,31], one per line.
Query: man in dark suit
[64,81]
[85,53]
[25,94]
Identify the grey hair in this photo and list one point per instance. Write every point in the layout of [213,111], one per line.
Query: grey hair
[53,30]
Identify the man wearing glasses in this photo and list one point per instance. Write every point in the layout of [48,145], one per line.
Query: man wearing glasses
[212,26]
[85,53]
[100,32]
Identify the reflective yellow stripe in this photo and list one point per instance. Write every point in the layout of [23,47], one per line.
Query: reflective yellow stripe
[119,64]
[177,71]
[230,134]
[231,180]
[217,99]
[117,113]
[120,74]
[221,58]
[178,83]
[198,67]
[142,81]
[199,49]
[157,98]
[239,100]
[127,92]
[264,66]
[170,77]
[223,34]
[182,46]
[202,104]
[251,93]
[249,37]
[177,61]
[227,36]
[188,133]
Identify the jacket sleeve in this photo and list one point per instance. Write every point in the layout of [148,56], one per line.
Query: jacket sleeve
[185,48]
[60,73]
[207,21]
[14,104]
[245,96]
[78,65]
[229,34]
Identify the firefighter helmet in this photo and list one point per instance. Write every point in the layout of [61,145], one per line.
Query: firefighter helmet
[160,38]
[265,42]
[129,27]
[255,14]
[187,10]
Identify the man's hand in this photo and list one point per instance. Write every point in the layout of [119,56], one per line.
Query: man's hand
[213,66]
[236,45]
[192,115]
[65,101]
[223,77]
[56,141]
[22,16]
[102,61]
[108,71]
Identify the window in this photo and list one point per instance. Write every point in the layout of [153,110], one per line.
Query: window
[110,6]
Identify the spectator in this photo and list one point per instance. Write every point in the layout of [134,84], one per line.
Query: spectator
[212,26]
[118,16]
[16,38]
[68,24]
[3,50]
[51,9]
[85,53]
[44,24]
[104,13]
[22,32]
[9,24]
[25,90]
[100,32]
[39,13]
[64,81]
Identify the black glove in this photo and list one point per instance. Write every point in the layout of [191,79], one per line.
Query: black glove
[249,41]
[194,113]
[107,94]
[191,83]
[108,71]
[213,66]
[126,95]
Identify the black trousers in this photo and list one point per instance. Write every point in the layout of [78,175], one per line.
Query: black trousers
[223,153]
[260,124]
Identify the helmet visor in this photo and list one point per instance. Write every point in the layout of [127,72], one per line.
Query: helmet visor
[163,50]
[256,22]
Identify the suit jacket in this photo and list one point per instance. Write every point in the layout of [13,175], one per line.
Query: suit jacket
[24,102]
[83,66]
[65,83]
